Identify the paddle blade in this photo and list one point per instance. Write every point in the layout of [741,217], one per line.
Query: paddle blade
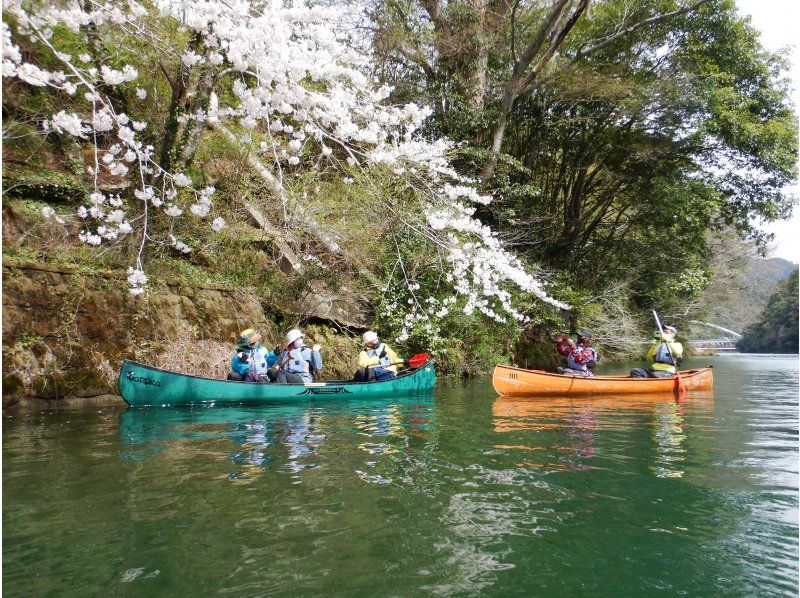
[679,387]
[418,360]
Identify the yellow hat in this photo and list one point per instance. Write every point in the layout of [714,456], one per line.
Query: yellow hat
[250,336]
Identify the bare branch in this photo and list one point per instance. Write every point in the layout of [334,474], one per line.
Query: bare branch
[533,85]
[631,28]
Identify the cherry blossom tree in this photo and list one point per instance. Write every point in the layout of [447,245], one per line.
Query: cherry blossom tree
[279,72]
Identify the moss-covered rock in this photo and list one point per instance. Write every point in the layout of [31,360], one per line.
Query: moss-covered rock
[66,333]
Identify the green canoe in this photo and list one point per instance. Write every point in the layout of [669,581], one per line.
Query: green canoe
[142,385]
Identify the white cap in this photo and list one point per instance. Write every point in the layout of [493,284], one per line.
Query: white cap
[293,335]
[370,336]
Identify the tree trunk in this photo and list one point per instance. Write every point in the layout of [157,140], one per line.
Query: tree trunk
[497,135]
[190,139]
[477,61]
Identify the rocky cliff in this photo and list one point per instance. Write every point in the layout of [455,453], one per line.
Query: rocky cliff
[65,332]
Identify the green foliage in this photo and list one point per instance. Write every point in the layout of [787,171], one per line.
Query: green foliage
[610,176]
[614,172]
[777,332]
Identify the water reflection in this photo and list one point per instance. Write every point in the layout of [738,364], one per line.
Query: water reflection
[572,426]
[286,439]
[302,438]
[253,437]
[470,495]
[669,438]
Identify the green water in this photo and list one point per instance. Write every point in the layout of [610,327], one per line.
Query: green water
[460,493]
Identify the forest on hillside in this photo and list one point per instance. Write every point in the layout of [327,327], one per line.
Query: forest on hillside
[470,175]
[777,328]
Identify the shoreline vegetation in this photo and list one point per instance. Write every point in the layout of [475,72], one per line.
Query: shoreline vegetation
[469,179]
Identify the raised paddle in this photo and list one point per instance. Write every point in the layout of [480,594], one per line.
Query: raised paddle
[678,382]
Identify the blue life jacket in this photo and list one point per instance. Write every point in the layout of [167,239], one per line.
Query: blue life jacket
[376,352]
[239,366]
[663,354]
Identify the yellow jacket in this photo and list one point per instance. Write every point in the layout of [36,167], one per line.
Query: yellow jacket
[368,357]
[675,348]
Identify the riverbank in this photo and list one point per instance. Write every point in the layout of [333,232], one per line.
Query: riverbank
[66,332]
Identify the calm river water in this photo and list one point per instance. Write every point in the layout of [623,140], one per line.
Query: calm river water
[459,493]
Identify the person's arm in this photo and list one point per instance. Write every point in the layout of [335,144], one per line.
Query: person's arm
[677,351]
[392,355]
[239,366]
[316,360]
[364,361]
[651,352]
[565,346]
[282,360]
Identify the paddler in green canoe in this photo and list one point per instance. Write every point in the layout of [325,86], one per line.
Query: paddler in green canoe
[251,361]
[298,363]
[377,360]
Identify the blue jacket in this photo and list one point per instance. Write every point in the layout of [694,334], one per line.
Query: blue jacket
[259,360]
[239,366]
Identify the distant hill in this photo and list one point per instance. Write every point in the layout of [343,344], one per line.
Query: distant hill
[777,328]
[772,269]
[738,296]
[759,282]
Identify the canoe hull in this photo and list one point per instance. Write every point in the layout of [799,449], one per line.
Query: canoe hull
[516,382]
[142,385]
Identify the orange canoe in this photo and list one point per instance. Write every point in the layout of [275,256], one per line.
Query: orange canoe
[516,382]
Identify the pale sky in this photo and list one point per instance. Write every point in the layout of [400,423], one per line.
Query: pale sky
[779,23]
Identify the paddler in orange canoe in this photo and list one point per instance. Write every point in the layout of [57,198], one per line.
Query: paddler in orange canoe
[581,356]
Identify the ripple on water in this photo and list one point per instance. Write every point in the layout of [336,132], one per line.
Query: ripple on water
[466,493]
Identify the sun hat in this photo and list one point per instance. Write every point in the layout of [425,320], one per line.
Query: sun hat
[293,335]
[370,336]
[250,335]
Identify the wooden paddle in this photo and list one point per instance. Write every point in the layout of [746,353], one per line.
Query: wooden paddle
[678,382]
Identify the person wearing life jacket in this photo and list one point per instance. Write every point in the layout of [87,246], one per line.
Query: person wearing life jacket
[664,352]
[581,357]
[298,363]
[251,361]
[377,360]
